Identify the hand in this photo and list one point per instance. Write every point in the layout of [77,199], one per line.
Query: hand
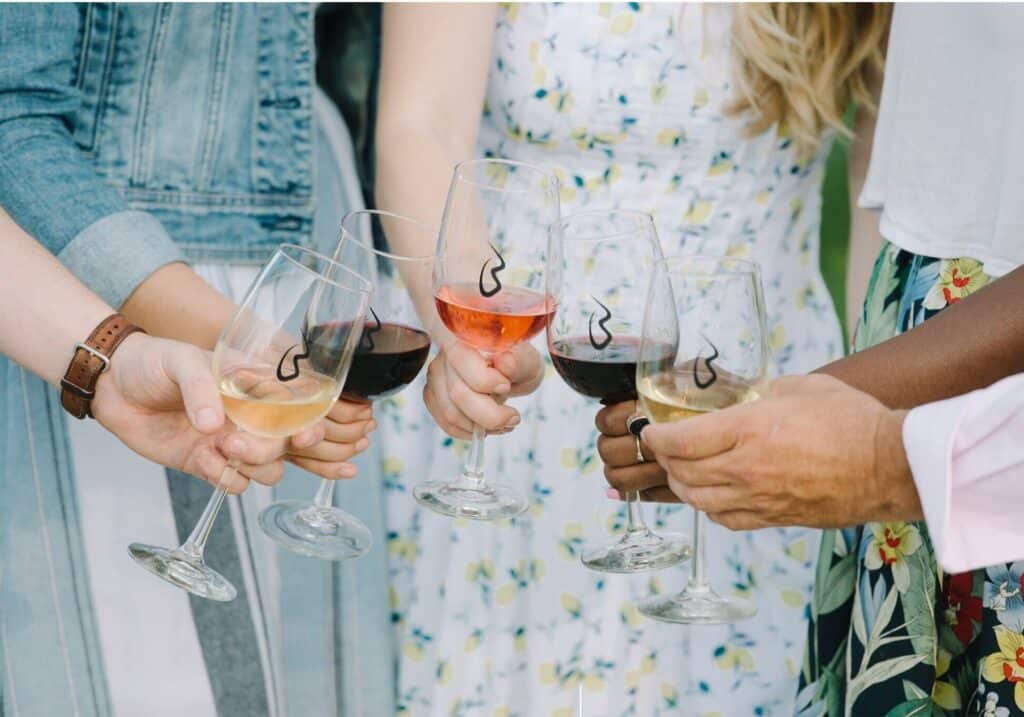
[347,427]
[617,448]
[813,452]
[464,389]
[160,398]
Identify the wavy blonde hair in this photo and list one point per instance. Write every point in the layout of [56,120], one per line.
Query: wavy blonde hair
[801,64]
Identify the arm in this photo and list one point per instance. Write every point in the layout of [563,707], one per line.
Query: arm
[865,239]
[969,345]
[434,67]
[158,396]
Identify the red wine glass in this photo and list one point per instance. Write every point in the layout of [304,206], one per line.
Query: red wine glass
[598,270]
[389,355]
[489,292]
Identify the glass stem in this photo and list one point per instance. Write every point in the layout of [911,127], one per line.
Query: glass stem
[634,514]
[324,498]
[698,581]
[195,544]
[473,468]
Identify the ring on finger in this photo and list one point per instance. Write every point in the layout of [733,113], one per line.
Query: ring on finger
[635,424]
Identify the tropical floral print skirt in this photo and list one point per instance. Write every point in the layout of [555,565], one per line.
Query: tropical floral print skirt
[890,635]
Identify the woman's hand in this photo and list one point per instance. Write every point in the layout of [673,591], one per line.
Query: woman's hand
[347,428]
[463,389]
[617,448]
[160,398]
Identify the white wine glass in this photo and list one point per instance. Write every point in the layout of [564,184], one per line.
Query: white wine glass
[712,311]
[599,268]
[275,380]
[392,351]
[489,292]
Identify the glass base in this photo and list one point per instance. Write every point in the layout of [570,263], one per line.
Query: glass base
[482,501]
[638,551]
[325,533]
[183,571]
[697,607]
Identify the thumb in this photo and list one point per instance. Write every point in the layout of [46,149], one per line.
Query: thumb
[693,438]
[189,368]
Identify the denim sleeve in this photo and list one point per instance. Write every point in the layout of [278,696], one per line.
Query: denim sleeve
[46,184]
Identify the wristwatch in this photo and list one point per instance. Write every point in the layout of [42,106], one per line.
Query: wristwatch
[91,358]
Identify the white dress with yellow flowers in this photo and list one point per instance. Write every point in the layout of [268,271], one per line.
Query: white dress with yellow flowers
[626,102]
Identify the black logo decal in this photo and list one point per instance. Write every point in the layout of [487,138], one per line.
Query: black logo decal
[368,333]
[295,362]
[494,275]
[600,345]
[707,364]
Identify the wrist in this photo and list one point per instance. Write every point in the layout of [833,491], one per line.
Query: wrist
[108,386]
[892,470]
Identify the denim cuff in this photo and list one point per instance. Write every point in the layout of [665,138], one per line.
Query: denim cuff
[115,254]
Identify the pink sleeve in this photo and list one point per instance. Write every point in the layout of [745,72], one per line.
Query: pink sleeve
[967,457]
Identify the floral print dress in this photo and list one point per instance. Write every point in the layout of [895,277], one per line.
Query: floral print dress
[624,101]
[891,635]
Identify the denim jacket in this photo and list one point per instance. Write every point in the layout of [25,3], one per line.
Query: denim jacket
[135,135]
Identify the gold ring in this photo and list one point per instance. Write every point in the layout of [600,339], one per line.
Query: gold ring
[639,453]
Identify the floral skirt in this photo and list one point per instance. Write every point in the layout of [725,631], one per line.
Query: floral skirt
[890,635]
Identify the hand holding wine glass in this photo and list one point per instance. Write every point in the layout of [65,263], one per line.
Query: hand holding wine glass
[489,292]
[599,268]
[269,384]
[711,311]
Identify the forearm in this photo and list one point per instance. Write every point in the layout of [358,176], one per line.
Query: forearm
[969,345]
[44,309]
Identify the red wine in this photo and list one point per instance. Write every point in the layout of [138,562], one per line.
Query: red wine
[387,359]
[493,323]
[608,374]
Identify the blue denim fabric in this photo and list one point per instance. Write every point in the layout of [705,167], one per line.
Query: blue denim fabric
[198,114]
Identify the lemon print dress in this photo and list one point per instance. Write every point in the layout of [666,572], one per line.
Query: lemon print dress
[625,102]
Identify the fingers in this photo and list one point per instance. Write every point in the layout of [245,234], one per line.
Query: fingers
[621,451]
[189,368]
[210,466]
[709,499]
[475,372]
[252,450]
[523,366]
[641,476]
[324,469]
[611,420]
[456,406]
[332,451]
[267,474]
[661,494]
[309,436]
[698,437]
[445,413]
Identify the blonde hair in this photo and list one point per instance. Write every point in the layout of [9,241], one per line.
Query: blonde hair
[801,64]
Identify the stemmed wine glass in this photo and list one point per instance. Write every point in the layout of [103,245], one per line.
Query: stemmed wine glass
[393,348]
[276,378]
[599,267]
[489,292]
[710,310]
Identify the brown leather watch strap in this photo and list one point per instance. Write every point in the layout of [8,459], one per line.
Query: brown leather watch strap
[90,360]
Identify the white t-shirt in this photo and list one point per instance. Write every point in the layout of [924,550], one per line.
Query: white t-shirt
[947,166]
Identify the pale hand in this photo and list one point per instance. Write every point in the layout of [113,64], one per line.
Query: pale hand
[160,398]
[463,389]
[814,452]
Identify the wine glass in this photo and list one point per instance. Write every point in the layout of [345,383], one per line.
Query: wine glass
[489,292]
[276,378]
[599,267]
[711,311]
[393,348]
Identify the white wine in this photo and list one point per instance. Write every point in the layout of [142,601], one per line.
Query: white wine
[260,404]
[672,395]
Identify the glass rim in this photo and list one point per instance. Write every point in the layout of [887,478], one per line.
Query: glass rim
[285,250]
[643,216]
[387,254]
[744,266]
[459,166]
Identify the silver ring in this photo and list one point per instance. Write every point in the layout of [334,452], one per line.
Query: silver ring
[635,424]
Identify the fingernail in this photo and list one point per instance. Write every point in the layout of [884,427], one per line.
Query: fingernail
[368,413]
[371,426]
[512,422]
[362,444]
[503,388]
[347,471]
[613,494]
[235,445]
[206,419]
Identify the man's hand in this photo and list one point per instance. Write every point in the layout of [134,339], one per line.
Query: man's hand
[617,448]
[160,398]
[464,389]
[347,429]
[813,452]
